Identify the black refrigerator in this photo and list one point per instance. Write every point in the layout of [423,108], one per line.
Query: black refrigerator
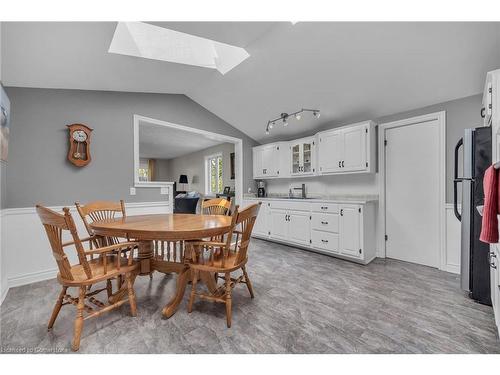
[474,262]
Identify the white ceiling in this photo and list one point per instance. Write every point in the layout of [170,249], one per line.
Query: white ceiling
[347,70]
[160,142]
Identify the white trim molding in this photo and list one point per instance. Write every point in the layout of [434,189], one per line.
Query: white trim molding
[440,117]
[38,263]
[238,151]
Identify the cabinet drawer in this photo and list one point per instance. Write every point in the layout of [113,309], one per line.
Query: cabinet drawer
[325,222]
[325,241]
[284,204]
[325,207]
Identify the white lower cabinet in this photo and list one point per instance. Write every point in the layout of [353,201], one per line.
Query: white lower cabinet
[290,226]
[325,241]
[340,229]
[299,227]
[350,230]
[261,226]
[278,224]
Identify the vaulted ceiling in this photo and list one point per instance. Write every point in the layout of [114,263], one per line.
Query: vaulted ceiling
[347,70]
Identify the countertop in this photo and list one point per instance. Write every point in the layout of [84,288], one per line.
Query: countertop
[360,199]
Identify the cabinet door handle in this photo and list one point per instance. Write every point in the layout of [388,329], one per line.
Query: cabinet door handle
[324,241]
[341,212]
[324,207]
[342,164]
[324,222]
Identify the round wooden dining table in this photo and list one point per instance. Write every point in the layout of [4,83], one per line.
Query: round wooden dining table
[153,231]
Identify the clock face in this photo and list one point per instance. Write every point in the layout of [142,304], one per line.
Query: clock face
[79,136]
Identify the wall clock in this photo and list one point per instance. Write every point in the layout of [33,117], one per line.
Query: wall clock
[79,144]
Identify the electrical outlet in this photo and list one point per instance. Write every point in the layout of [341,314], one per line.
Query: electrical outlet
[132,191]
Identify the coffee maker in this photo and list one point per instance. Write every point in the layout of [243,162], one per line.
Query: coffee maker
[261,191]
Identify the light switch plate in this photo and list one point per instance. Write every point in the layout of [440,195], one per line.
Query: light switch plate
[164,190]
[132,191]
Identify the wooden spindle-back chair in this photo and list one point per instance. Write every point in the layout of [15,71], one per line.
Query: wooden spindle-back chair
[216,206]
[113,261]
[224,258]
[97,211]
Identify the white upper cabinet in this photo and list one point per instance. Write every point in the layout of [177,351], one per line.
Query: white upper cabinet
[349,149]
[271,161]
[303,156]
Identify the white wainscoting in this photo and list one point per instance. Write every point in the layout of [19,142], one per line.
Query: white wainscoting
[25,248]
[452,263]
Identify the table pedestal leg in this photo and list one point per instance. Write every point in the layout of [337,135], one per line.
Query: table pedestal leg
[174,303]
[144,256]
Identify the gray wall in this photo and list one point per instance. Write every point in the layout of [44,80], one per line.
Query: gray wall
[193,165]
[38,170]
[161,170]
[460,114]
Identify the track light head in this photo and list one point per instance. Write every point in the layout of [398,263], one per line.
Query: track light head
[316,114]
[298,116]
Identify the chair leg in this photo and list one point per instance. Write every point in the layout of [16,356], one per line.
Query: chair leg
[75,345]
[57,308]
[228,299]
[193,291]
[131,295]
[109,287]
[247,281]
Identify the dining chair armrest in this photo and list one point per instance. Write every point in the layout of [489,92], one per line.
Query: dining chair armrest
[121,247]
[106,249]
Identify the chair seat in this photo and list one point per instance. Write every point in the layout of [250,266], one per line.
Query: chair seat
[97,267]
[230,264]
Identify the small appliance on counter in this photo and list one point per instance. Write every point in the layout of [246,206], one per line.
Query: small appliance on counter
[261,191]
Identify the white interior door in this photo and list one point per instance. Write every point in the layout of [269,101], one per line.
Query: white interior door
[412,193]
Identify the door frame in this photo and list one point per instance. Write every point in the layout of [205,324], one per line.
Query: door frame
[440,117]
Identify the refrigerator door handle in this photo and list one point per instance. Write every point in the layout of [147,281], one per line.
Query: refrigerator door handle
[456,180]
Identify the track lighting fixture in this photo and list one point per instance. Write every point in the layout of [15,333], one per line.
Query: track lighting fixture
[285,116]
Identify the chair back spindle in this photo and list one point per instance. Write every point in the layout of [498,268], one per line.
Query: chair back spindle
[98,211]
[217,206]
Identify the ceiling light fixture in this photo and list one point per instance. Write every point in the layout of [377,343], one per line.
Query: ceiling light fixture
[284,117]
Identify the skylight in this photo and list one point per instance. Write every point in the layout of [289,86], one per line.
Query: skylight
[153,42]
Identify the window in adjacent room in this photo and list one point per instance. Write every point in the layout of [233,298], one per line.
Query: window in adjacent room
[213,174]
[146,170]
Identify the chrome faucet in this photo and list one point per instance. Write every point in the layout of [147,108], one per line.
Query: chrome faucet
[302,189]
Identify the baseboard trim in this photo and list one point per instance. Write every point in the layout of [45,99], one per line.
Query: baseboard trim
[32,277]
[452,268]
[4,294]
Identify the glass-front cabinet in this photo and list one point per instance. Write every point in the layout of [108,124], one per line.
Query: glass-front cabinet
[303,158]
